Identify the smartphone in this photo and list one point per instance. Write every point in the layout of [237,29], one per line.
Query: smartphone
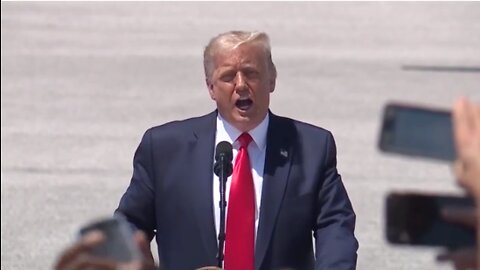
[119,243]
[415,219]
[417,131]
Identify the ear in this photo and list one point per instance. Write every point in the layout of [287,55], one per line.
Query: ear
[210,88]
[272,84]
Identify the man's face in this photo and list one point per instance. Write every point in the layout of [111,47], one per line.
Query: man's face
[240,84]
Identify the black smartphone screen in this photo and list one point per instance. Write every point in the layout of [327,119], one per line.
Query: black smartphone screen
[417,131]
[415,219]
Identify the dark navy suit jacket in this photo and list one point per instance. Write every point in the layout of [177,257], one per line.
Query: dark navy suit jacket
[171,196]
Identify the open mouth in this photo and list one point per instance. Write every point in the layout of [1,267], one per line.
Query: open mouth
[244,104]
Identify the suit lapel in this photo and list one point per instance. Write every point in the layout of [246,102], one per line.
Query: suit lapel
[202,149]
[278,160]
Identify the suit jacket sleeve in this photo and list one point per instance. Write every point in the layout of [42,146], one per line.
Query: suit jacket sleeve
[335,243]
[137,203]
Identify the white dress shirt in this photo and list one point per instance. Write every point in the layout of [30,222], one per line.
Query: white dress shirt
[256,153]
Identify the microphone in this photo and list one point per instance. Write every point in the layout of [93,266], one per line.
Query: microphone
[223,169]
[223,159]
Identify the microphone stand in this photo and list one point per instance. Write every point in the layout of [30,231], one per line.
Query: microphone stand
[222,205]
[224,171]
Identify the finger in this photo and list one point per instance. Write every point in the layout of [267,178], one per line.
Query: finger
[458,170]
[477,118]
[461,126]
[475,111]
[86,243]
[471,112]
[463,216]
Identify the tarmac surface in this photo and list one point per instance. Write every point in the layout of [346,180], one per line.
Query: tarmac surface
[82,81]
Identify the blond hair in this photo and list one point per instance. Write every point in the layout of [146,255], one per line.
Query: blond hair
[232,40]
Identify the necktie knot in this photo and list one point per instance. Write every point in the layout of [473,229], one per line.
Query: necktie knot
[244,139]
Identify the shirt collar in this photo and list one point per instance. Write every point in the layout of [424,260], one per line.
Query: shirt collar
[227,132]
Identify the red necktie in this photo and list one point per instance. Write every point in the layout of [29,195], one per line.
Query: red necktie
[240,231]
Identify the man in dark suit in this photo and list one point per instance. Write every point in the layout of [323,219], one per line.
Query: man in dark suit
[172,190]
[292,188]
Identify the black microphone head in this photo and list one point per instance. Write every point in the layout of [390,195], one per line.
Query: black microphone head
[224,148]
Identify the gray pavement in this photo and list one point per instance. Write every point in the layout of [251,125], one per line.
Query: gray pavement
[82,81]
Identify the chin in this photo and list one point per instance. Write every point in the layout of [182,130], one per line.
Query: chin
[242,123]
[246,114]
[241,119]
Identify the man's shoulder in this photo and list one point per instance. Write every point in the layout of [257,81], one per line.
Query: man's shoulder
[300,127]
[178,127]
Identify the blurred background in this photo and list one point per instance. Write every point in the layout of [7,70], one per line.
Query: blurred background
[82,81]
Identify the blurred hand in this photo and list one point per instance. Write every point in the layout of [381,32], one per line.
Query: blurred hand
[77,256]
[466,121]
[466,129]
